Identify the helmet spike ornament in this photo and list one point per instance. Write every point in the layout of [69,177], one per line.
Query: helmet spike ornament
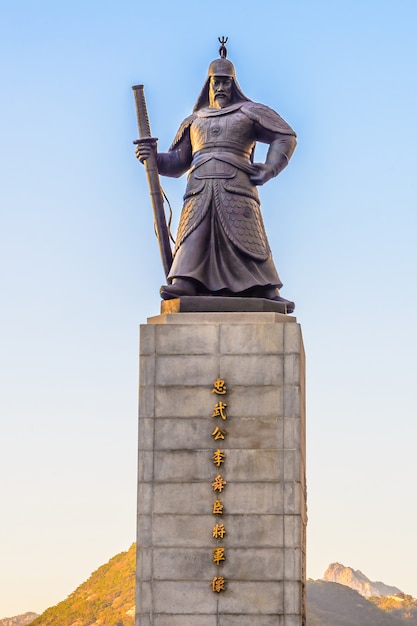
[223,50]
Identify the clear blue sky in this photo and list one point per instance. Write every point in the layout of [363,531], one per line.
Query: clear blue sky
[80,268]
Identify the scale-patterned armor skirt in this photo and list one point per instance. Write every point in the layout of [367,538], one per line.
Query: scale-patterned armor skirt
[221,240]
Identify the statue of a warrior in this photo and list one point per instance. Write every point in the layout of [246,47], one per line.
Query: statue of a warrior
[221,246]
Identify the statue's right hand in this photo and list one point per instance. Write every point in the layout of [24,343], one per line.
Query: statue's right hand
[143,149]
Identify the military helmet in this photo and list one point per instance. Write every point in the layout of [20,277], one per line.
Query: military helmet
[222,67]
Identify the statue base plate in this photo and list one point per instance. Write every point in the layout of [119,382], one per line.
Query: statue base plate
[206,304]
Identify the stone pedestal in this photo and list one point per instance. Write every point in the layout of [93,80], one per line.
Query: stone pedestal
[252,571]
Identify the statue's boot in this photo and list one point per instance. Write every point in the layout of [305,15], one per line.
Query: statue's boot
[180,287]
[272,293]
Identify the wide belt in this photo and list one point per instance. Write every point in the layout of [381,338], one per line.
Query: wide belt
[200,157]
[224,146]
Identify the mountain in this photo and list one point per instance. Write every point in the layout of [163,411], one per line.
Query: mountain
[332,604]
[400,605]
[19,620]
[107,598]
[338,573]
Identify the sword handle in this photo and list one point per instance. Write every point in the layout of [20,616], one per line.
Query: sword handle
[141,112]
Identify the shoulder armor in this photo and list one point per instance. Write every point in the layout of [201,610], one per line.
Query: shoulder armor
[180,133]
[266,117]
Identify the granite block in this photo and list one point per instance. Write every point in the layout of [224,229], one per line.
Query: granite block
[251,338]
[180,597]
[183,563]
[293,531]
[254,400]
[183,433]
[184,402]
[146,434]
[190,433]
[145,497]
[252,598]
[146,402]
[292,372]
[184,466]
[293,564]
[186,340]
[242,498]
[144,531]
[254,530]
[183,531]
[293,497]
[196,499]
[144,597]
[194,370]
[252,564]
[185,620]
[253,465]
[147,371]
[292,338]
[142,620]
[255,432]
[291,402]
[144,564]
[293,428]
[243,317]
[251,620]
[254,498]
[293,465]
[294,620]
[292,596]
[196,530]
[147,339]
[251,370]
[145,465]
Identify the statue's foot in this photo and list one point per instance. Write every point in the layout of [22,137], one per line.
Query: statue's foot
[272,293]
[180,287]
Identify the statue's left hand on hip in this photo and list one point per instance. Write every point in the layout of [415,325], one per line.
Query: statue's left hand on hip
[262,173]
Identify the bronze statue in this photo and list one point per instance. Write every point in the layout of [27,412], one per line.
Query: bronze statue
[221,246]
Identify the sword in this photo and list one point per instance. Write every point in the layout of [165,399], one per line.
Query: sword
[153,179]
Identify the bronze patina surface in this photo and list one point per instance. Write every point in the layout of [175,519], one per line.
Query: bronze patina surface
[213,304]
[221,246]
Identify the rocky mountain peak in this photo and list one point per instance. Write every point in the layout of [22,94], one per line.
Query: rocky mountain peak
[18,620]
[355,579]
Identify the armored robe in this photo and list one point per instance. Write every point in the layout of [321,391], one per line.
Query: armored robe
[221,240]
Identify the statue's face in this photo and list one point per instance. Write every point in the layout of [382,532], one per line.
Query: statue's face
[220,91]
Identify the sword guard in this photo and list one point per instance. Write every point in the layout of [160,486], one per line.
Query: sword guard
[150,140]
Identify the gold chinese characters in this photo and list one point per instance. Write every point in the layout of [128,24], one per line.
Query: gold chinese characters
[219,531]
[219,433]
[219,387]
[219,410]
[218,457]
[218,555]
[218,583]
[217,507]
[219,483]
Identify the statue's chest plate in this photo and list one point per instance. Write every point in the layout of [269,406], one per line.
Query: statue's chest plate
[220,131]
